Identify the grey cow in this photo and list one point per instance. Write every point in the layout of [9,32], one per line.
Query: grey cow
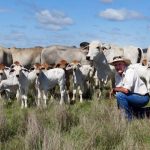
[27,56]
[56,53]
[5,56]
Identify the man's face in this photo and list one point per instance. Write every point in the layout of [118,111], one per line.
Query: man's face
[120,67]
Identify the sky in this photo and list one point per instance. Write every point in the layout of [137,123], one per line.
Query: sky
[30,23]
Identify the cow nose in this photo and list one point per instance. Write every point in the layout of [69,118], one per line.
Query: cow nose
[17,75]
[87,57]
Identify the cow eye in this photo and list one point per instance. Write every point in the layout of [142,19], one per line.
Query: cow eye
[26,70]
[42,68]
[103,48]
[12,66]
[50,67]
[12,70]
[6,68]
[31,68]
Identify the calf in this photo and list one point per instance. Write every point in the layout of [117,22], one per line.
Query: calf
[63,64]
[48,79]
[17,82]
[4,72]
[81,74]
[4,75]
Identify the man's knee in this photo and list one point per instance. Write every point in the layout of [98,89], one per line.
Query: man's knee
[120,95]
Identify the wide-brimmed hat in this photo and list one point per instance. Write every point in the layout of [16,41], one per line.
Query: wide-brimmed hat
[120,58]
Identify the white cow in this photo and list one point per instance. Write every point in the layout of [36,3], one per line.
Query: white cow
[17,82]
[48,79]
[21,74]
[148,55]
[133,53]
[143,72]
[81,74]
[101,54]
[99,61]
[4,74]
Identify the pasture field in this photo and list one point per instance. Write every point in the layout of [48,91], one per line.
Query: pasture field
[91,125]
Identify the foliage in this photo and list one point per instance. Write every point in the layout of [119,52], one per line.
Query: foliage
[91,125]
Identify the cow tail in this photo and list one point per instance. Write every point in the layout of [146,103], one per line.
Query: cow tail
[140,55]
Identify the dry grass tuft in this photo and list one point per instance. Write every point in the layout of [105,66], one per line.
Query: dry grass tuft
[34,135]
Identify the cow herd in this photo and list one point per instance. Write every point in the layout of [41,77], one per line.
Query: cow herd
[72,69]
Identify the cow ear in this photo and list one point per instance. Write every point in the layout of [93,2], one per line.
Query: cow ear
[68,67]
[57,65]
[42,68]
[6,68]
[79,65]
[105,46]
[49,67]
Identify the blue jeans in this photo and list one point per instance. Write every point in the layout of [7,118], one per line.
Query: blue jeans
[129,102]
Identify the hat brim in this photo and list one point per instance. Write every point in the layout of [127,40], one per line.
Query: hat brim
[127,61]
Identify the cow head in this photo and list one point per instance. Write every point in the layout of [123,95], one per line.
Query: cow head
[35,69]
[16,69]
[46,66]
[94,50]
[73,65]
[61,64]
[2,67]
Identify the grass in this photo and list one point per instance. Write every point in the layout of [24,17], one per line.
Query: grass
[92,125]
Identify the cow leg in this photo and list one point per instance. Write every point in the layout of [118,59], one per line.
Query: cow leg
[7,92]
[63,93]
[148,83]
[52,94]
[68,89]
[74,92]
[44,97]
[38,97]
[62,97]
[23,98]
[97,89]
[18,95]
[68,97]
[80,93]
[24,101]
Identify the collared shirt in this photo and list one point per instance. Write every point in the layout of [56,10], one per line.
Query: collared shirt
[131,81]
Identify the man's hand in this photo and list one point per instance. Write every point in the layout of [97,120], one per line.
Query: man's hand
[120,89]
[112,92]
